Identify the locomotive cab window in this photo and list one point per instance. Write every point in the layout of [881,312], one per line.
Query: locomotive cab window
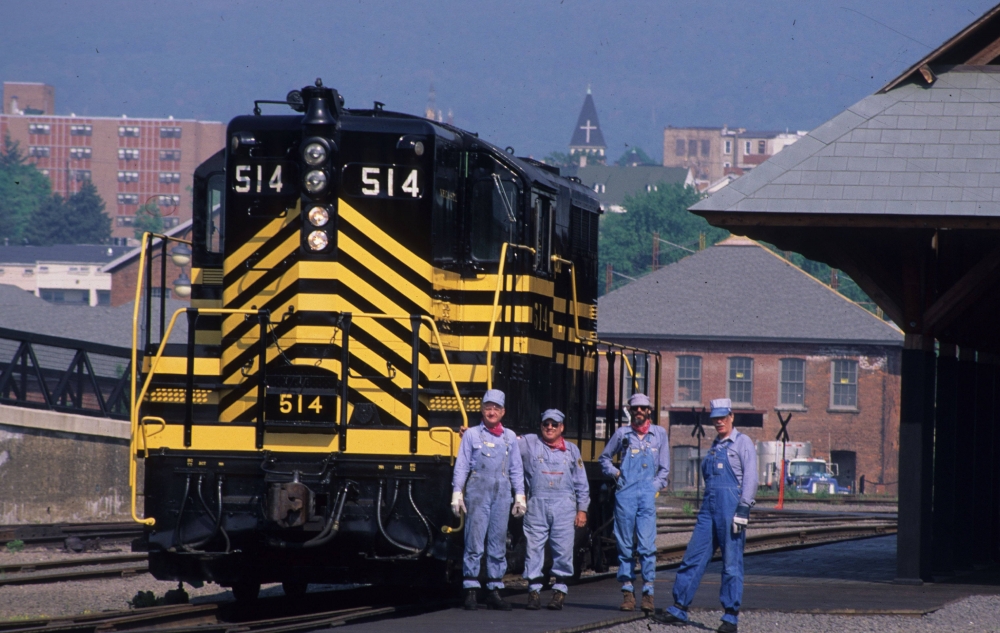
[541,208]
[214,215]
[494,207]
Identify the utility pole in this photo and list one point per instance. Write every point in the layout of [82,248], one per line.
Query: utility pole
[656,250]
[701,241]
[834,279]
[608,279]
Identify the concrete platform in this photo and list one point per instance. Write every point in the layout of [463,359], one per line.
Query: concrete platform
[842,578]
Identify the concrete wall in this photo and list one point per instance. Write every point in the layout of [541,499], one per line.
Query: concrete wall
[56,467]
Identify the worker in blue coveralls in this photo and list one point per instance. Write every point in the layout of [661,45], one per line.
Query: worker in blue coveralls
[644,462]
[487,468]
[730,473]
[558,498]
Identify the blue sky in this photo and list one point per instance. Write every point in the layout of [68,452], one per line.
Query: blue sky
[514,71]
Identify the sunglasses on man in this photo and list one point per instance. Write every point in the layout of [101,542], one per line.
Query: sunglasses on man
[551,423]
[644,409]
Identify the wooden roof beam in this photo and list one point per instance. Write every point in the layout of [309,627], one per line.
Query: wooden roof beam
[963,293]
[986,55]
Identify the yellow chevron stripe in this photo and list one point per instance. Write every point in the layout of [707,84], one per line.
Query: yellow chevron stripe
[352,216]
[262,267]
[241,254]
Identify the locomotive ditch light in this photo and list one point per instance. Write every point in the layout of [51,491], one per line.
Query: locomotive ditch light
[319,216]
[315,181]
[318,240]
[180,255]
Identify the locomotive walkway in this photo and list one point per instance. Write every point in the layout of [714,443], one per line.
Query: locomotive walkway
[853,577]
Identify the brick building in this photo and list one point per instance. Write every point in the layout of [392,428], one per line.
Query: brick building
[63,273]
[738,321]
[124,270]
[130,161]
[712,152]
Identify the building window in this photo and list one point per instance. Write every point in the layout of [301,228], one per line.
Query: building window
[168,177]
[746,147]
[761,147]
[729,147]
[170,154]
[689,379]
[39,151]
[131,131]
[844,391]
[81,130]
[39,128]
[124,220]
[169,223]
[157,292]
[170,132]
[74,296]
[793,381]
[80,153]
[128,154]
[103,297]
[81,175]
[168,201]
[128,198]
[692,147]
[679,148]
[706,147]
[741,380]
[128,176]
[727,164]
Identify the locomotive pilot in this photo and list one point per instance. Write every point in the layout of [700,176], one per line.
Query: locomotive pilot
[558,498]
[729,470]
[644,462]
[487,469]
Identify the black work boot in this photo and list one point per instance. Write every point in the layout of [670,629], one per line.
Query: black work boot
[534,601]
[726,627]
[494,601]
[471,604]
[556,604]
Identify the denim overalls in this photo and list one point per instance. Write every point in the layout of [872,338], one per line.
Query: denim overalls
[488,498]
[635,510]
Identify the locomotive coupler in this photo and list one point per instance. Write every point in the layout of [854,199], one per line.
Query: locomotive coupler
[290,504]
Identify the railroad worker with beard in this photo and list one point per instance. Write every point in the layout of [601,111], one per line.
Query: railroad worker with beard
[644,462]
[730,474]
[488,466]
[559,496]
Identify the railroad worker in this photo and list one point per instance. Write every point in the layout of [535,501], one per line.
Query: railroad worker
[644,462]
[487,468]
[729,470]
[558,498]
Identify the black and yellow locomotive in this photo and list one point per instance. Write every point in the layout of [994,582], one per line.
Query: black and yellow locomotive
[360,278]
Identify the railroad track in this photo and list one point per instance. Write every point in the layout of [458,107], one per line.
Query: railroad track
[97,567]
[58,532]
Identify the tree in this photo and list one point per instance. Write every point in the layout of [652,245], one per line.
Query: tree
[23,190]
[635,156]
[845,285]
[87,220]
[626,239]
[560,159]
[148,219]
[79,219]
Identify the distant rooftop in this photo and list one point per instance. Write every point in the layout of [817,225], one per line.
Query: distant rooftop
[67,253]
[738,290]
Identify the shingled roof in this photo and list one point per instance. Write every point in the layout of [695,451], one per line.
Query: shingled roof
[738,290]
[619,182]
[587,133]
[914,150]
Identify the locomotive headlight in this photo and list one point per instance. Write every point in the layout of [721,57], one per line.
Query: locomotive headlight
[314,154]
[319,216]
[315,181]
[318,240]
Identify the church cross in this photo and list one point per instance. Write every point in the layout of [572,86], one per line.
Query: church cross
[588,127]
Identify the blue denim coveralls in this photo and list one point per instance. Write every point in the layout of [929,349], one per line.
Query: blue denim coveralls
[493,465]
[643,467]
[557,489]
[712,529]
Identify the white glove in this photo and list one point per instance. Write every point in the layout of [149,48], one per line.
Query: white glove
[520,506]
[458,503]
[741,519]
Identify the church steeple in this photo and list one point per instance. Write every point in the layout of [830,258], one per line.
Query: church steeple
[587,143]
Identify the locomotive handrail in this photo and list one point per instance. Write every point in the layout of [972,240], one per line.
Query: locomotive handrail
[134,417]
[496,304]
[451,439]
[440,344]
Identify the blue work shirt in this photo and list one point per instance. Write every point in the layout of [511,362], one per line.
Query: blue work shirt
[656,440]
[550,470]
[743,460]
[476,441]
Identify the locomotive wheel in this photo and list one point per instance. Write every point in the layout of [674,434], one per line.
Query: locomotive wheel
[246,592]
[294,588]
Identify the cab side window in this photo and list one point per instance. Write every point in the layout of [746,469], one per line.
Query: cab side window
[214,213]
[494,206]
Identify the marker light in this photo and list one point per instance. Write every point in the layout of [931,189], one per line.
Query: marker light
[314,154]
[318,240]
[315,181]
[319,216]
